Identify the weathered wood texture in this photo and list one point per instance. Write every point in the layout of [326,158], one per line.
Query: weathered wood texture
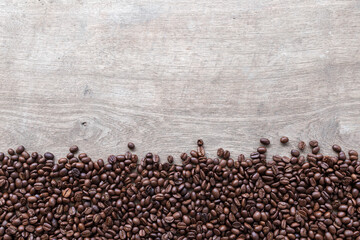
[164,73]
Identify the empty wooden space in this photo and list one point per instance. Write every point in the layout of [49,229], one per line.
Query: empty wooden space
[164,73]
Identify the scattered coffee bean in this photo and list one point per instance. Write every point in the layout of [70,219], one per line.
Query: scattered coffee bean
[131,145]
[264,141]
[284,140]
[313,143]
[336,148]
[74,149]
[220,152]
[291,197]
[261,150]
[295,153]
[301,145]
[315,150]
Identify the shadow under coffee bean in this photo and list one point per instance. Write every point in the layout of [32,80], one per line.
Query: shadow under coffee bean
[223,198]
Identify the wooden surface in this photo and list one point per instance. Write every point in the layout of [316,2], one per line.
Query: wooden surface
[164,73]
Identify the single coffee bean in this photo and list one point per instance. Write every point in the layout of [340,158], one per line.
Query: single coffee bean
[261,150]
[315,150]
[74,149]
[284,139]
[336,148]
[313,143]
[20,149]
[66,193]
[301,145]
[220,152]
[264,141]
[295,153]
[49,156]
[170,159]
[131,145]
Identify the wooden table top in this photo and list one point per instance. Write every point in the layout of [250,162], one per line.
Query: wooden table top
[164,73]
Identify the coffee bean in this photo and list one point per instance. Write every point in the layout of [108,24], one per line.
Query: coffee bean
[66,193]
[261,150]
[131,145]
[336,148]
[284,140]
[74,149]
[170,159]
[315,150]
[226,154]
[301,145]
[20,149]
[49,156]
[220,152]
[313,143]
[215,192]
[264,141]
[169,219]
[295,153]
[292,197]
[181,225]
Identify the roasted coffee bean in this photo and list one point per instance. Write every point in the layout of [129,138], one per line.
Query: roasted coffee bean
[74,149]
[336,148]
[220,152]
[261,150]
[66,193]
[170,159]
[264,141]
[301,145]
[291,197]
[284,140]
[295,153]
[20,149]
[315,150]
[49,156]
[131,145]
[313,143]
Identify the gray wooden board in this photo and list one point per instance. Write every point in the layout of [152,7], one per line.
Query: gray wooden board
[164,73]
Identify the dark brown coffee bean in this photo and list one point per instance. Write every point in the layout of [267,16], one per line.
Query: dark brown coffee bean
[181,225]
[49,156]
[315,150]
[169,219]
[170,159]
[20,149]
[200,142]
[301,145]
[351,153]
[284,140]
[313,143]
[74,149]
[131,145]
[292,197]
[264,141]
[215,192]
[261,150]
[220,152]
[336,148]
[295,153]
[226,154]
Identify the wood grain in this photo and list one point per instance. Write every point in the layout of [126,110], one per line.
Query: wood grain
[164,73]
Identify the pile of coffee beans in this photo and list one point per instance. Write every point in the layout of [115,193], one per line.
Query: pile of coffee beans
[299,196]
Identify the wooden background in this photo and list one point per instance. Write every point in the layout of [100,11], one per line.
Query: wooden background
[164,73]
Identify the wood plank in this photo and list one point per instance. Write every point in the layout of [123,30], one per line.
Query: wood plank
[164,73]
